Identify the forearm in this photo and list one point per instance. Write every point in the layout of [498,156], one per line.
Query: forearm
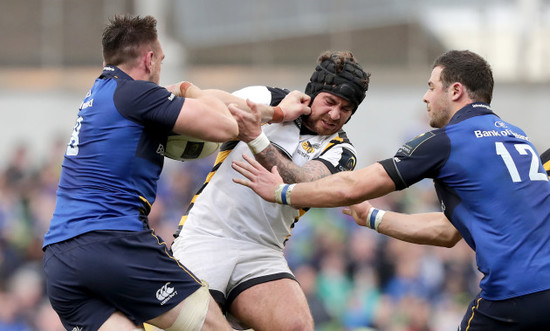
[344,188]
[427,228]
[225,127]
[206,118]
[289,171]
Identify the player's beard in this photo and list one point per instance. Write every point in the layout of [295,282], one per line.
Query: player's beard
[439,114]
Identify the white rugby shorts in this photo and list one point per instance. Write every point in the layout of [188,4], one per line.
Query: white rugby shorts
[228,265]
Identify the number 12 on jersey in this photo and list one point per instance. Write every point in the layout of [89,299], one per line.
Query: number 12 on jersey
[523,149]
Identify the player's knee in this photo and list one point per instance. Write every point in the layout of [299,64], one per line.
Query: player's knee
[193,312]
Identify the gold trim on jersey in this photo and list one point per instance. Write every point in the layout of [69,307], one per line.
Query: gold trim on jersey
[306,145]
[296,219]
[336,140]
[225,149]
[146,206]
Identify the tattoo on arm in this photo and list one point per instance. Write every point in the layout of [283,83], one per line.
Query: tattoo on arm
[289,171]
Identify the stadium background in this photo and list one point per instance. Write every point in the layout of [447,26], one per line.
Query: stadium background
[354,278]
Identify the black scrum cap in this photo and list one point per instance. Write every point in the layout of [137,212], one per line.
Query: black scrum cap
[348,84]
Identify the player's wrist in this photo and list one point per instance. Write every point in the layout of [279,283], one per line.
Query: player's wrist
[278,115]
[374,218]
[283,193]
[258,144]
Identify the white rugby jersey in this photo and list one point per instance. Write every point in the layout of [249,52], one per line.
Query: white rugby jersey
[225,209]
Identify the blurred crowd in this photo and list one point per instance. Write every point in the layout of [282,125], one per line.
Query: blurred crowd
[354,278]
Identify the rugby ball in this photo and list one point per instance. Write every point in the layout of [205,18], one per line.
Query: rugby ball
[184,148]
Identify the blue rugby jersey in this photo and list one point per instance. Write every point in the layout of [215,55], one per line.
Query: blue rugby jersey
[114,158]
[492,186]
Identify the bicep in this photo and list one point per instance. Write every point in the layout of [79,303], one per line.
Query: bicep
[207,119]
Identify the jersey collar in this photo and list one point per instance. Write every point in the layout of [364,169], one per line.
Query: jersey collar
[303,130]
[471,110]
[110,71]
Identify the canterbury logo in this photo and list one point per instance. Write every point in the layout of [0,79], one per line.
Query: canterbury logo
[165,293]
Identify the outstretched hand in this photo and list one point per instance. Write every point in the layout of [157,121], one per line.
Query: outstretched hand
[262,181]
[294,105]
[249,122]
[358,212]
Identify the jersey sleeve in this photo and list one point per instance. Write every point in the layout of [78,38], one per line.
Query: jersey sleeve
[262,94]
[148,104]
[421,157]
[257,93]
[277,95]
[339,156]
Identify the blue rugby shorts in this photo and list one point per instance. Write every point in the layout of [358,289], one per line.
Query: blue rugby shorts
[91,276]
[527,312]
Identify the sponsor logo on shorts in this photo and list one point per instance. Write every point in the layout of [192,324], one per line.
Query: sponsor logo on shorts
[165,293]
[77,328]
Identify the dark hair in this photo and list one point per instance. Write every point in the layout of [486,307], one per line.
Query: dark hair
[125,35]
[339,73]
[469,69]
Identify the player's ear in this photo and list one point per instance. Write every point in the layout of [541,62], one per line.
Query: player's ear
[457,91]
[149,59]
